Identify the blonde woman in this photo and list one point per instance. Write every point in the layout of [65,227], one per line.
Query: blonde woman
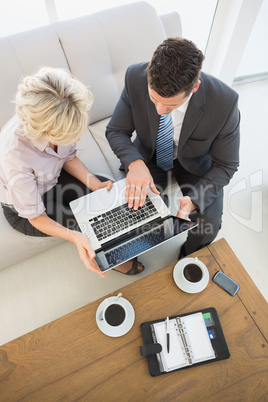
[39,170]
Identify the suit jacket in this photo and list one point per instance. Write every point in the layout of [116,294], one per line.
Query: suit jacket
[209,140]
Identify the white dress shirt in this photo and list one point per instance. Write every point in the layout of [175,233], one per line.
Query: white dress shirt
[28,170]
[177,119]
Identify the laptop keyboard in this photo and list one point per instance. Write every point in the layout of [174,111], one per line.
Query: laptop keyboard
[135,247]
[121,218]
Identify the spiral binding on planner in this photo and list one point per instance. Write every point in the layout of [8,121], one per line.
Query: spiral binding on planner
[184,340]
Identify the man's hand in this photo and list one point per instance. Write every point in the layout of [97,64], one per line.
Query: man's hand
[86,252]
[138,181]
[186,207]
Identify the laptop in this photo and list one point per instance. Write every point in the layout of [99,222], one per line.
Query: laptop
[118,233]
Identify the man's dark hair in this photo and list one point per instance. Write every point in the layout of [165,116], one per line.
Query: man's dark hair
[175,67]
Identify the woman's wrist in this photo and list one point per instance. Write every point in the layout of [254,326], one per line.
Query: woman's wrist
[93,183]
[73,235]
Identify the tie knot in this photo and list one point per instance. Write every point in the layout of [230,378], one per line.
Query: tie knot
[165,119]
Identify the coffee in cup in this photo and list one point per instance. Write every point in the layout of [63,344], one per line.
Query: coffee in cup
[113,314]
[192,272]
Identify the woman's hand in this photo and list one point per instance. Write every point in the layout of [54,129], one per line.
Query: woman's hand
[86,252]
[108,184]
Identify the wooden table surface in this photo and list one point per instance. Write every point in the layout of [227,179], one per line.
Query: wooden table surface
[70,359]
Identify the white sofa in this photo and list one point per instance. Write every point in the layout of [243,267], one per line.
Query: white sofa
[97,49]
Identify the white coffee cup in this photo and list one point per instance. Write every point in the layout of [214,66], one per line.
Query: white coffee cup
[193,271]
[114,313]
[191,275]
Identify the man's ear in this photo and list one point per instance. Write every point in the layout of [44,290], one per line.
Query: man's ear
[195,88]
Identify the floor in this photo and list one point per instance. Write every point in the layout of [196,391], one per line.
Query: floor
[53,283]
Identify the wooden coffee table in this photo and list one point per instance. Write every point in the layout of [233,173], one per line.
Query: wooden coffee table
[70,359]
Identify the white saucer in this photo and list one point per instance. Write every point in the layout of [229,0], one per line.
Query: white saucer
[122,329]
[190,287]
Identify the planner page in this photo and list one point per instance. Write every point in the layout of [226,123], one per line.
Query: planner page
[176,358]
[197,337]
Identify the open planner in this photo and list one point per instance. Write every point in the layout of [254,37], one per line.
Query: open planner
[194,338]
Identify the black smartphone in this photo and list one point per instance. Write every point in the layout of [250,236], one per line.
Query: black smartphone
[226,283]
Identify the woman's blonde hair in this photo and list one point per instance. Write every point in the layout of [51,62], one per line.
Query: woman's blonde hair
[53,105]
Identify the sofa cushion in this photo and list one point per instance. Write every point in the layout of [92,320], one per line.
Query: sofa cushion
[10,73]
[100,47]
[172,24]
[97,130]
[16,247]
[91,155]
[132,33]
[23,54]
[88,58]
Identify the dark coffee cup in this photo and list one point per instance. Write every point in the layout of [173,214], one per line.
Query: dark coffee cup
[114,314]
[192,272]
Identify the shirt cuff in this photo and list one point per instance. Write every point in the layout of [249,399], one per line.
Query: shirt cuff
[31,212]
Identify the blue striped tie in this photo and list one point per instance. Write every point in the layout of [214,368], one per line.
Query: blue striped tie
[164,143]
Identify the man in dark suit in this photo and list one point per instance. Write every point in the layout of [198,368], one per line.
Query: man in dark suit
[204,119]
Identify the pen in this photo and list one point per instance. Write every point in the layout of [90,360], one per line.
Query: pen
[168,333]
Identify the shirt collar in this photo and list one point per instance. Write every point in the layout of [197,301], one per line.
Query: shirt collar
[41,145]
